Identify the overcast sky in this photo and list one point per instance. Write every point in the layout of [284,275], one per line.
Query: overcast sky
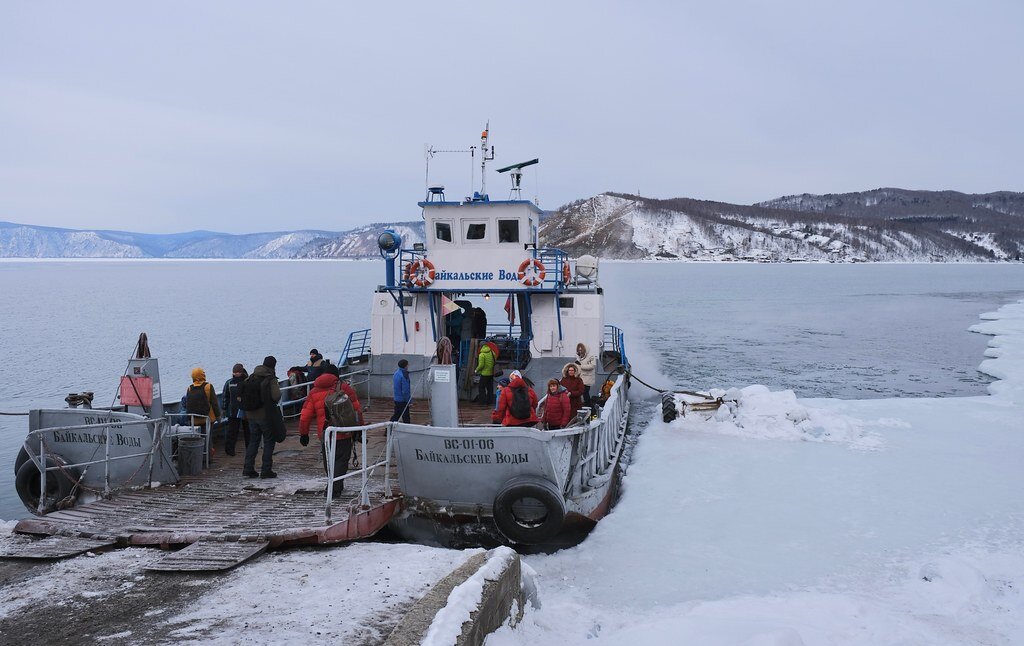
[251,116]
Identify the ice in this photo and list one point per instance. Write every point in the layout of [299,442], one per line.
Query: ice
[751,529]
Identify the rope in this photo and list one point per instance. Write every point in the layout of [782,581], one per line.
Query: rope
[666,390]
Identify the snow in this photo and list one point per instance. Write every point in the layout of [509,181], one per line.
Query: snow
[464,599]
[770,523]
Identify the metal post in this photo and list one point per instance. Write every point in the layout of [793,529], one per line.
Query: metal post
[387,459]
[330,438]
[364,496]
[106,461]
[42,475]
[157,436]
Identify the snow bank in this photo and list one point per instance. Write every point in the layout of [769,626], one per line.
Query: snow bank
[1006,351]
[464,599]
[756,412]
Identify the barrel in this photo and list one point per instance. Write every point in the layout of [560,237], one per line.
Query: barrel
[190,454]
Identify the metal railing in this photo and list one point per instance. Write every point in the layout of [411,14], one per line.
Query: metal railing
[615,340]
[602,442]
[356,345]
[157,432]
[366,470]
[205,429]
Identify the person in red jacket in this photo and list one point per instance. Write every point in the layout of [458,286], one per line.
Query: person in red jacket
[504,414]
[575,386]
[556,406]
[323,386]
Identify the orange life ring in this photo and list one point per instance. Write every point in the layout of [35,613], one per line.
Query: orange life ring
[420,273]
[566,273]
[536,274]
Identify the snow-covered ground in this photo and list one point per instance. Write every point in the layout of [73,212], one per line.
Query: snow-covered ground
[787,522]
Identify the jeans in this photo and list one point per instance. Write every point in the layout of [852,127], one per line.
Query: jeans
[231,435]
[402,411]
[260,429]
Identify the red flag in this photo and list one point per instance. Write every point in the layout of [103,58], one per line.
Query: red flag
[510,310]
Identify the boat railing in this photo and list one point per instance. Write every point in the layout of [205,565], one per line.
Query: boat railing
[556,263]
[615,341]
[291,401]
[367,468]
[356,345]
[360,382]
[602,442]
[157,426]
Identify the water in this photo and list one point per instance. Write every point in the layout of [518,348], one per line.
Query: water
[848,331]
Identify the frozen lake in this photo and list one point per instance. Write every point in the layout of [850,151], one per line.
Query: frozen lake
[846,331]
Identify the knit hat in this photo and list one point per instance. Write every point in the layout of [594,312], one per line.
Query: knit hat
[314,351]
[238,368]
[270,361]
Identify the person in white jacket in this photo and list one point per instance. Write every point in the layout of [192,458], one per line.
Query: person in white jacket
[588,371]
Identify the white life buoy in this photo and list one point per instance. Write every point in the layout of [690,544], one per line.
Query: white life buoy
[531,272]
[420,273]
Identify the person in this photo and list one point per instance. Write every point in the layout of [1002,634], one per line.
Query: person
[454,325]
[575,386]
[502,385]
[556,406]
[315,367]
[485,368]
[588,371]
[315,407]
[504,413]
[479,323]
[233,410]
[263,421]
[403,393]
[201,400]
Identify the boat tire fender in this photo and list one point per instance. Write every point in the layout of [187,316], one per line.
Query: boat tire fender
[20,460]
[518,512]
[668,407]
[59,484]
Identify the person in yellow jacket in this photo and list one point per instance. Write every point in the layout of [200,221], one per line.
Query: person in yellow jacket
[485,368]
[201,400]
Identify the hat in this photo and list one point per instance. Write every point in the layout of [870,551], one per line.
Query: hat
[503,381]
[515,373]
[314,351]
[270,361]
[238,368]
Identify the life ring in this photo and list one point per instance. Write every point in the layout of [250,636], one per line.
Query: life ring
[420,273]
[566,273]
[536,272]
[59,484]
[529,510]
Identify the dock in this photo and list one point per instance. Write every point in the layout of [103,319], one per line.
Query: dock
[222,518]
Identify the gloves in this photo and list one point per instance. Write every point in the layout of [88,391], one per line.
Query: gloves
[304,440]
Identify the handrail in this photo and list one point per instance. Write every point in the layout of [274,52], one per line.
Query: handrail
[158,426]
[365,470]
[361,337]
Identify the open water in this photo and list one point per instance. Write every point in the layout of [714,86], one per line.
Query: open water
[847,331]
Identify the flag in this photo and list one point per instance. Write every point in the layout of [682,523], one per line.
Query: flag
[448,305]
[510,309]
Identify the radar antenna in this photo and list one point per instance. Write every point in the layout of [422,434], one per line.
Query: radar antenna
[517,177]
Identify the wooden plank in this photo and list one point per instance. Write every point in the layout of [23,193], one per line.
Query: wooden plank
[209,556]
[51,547]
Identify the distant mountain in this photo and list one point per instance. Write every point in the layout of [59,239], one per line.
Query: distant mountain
[886,224]
[879,225]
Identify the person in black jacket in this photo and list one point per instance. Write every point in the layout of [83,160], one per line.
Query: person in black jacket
[233,410]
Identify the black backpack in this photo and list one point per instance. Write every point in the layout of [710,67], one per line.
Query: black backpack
[251,393]
[520,407]
[196,400]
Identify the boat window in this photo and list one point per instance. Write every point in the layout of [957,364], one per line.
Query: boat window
[442,231]
[476,230]
[565,302]
[508,230]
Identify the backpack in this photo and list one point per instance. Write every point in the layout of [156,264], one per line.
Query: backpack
[339,411]
[251,392]
[520,407]
[197,401]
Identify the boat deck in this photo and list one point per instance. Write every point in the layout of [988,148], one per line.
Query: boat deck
[222,505]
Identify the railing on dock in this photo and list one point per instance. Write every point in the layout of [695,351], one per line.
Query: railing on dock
[158,428]
[366,470]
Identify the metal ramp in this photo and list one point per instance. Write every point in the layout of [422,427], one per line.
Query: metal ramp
[210,556]
[19,546]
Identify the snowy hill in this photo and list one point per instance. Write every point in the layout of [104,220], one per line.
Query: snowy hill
[882,225]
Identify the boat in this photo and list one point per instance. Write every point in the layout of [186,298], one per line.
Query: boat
[463,478]
[450,476]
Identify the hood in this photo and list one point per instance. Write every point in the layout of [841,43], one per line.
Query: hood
[516,382]
[262,371]
[198,375]
[326,381]
[584,348]
[565,369]
[486,348]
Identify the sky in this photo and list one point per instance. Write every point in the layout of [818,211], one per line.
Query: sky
[244,116]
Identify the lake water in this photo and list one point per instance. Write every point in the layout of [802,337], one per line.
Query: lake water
[846,331]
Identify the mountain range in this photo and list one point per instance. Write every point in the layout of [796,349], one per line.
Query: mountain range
[887,224]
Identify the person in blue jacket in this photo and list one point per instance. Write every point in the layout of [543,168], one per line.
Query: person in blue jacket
[403,393]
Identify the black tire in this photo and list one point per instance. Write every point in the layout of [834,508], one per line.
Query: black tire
[529,510]
[20,460]
[59,485]
[668,407]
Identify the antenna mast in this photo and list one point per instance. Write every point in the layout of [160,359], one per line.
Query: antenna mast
[484,158]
